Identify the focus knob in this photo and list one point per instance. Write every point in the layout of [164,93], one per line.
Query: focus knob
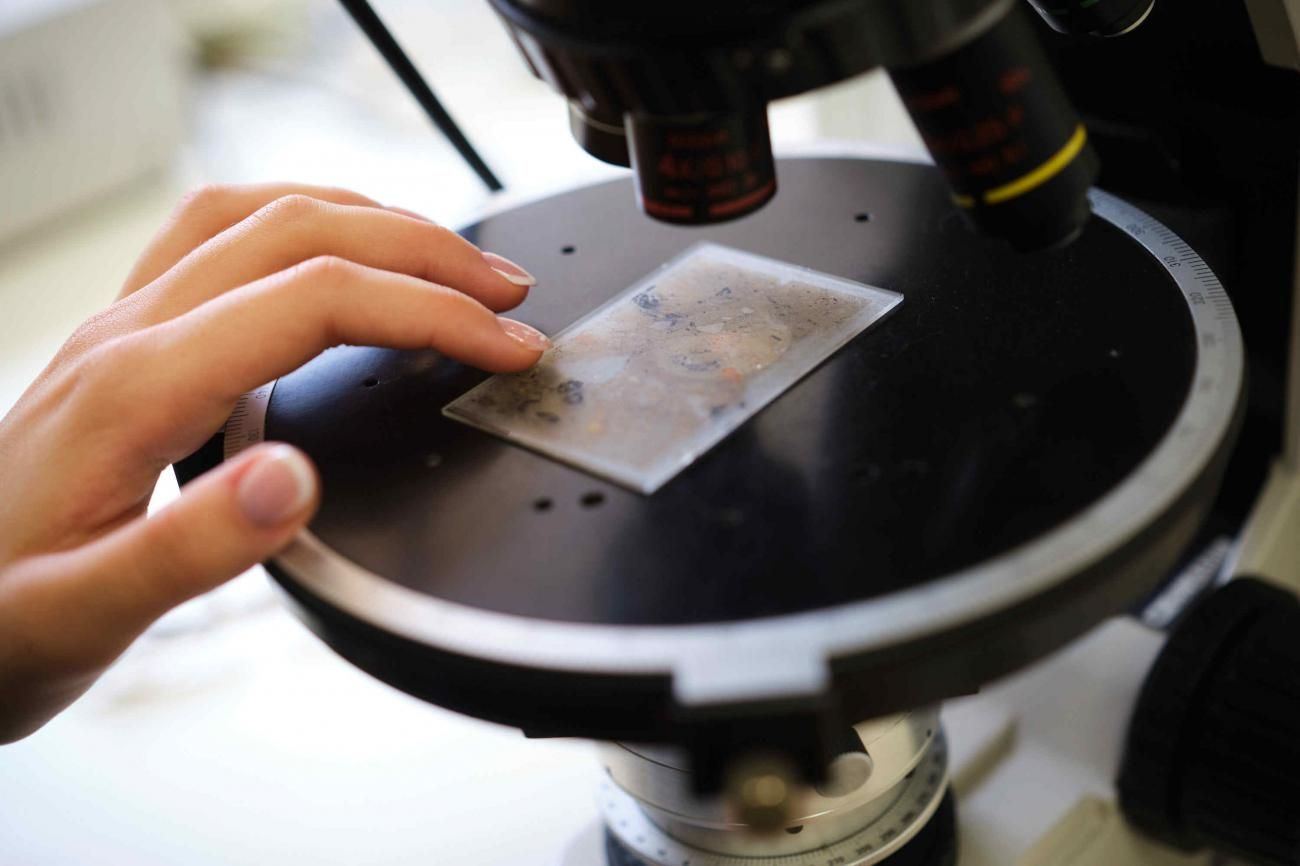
[1212,758]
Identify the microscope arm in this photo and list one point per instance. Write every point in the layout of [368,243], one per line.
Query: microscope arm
[1270,544]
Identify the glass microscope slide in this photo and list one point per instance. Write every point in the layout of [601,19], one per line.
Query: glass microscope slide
[641,387]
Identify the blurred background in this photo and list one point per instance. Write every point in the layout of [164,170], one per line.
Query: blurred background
[229,735]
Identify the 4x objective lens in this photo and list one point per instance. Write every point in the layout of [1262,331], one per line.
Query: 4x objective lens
[702,168]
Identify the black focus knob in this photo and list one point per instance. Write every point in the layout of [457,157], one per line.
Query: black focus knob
[1212,758]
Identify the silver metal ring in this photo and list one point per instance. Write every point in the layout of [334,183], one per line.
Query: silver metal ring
[900,816]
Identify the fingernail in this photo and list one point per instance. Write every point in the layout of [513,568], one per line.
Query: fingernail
[509,270]
[526,335]
[277,488]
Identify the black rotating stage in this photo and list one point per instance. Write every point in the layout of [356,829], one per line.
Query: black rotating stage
[1021,449]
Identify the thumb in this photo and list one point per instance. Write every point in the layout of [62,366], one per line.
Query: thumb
[225,522]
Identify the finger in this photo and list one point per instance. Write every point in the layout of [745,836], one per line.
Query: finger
[413,214]
[295,229]
[94,600]
[186,373]
[208,211]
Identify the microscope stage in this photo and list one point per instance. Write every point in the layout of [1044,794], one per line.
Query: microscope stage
[1019,450]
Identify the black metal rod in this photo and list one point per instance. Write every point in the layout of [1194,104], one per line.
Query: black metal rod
[397,60]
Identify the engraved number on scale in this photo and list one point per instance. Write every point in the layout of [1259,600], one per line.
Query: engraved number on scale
[247,423]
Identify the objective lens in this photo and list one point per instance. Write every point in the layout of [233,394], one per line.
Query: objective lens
[600,134]
[997,121]
[704,168]
[1094,17]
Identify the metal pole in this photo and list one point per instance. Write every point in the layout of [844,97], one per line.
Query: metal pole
[405,70]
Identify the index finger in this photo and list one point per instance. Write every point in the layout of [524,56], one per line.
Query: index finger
[210,210]
[190,370]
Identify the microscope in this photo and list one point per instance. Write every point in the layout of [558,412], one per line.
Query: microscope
[1060,424]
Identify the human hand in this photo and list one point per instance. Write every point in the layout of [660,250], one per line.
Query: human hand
[242,285]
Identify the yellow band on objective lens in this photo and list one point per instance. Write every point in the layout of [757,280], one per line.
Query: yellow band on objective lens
[1034,179]
[1043,173]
